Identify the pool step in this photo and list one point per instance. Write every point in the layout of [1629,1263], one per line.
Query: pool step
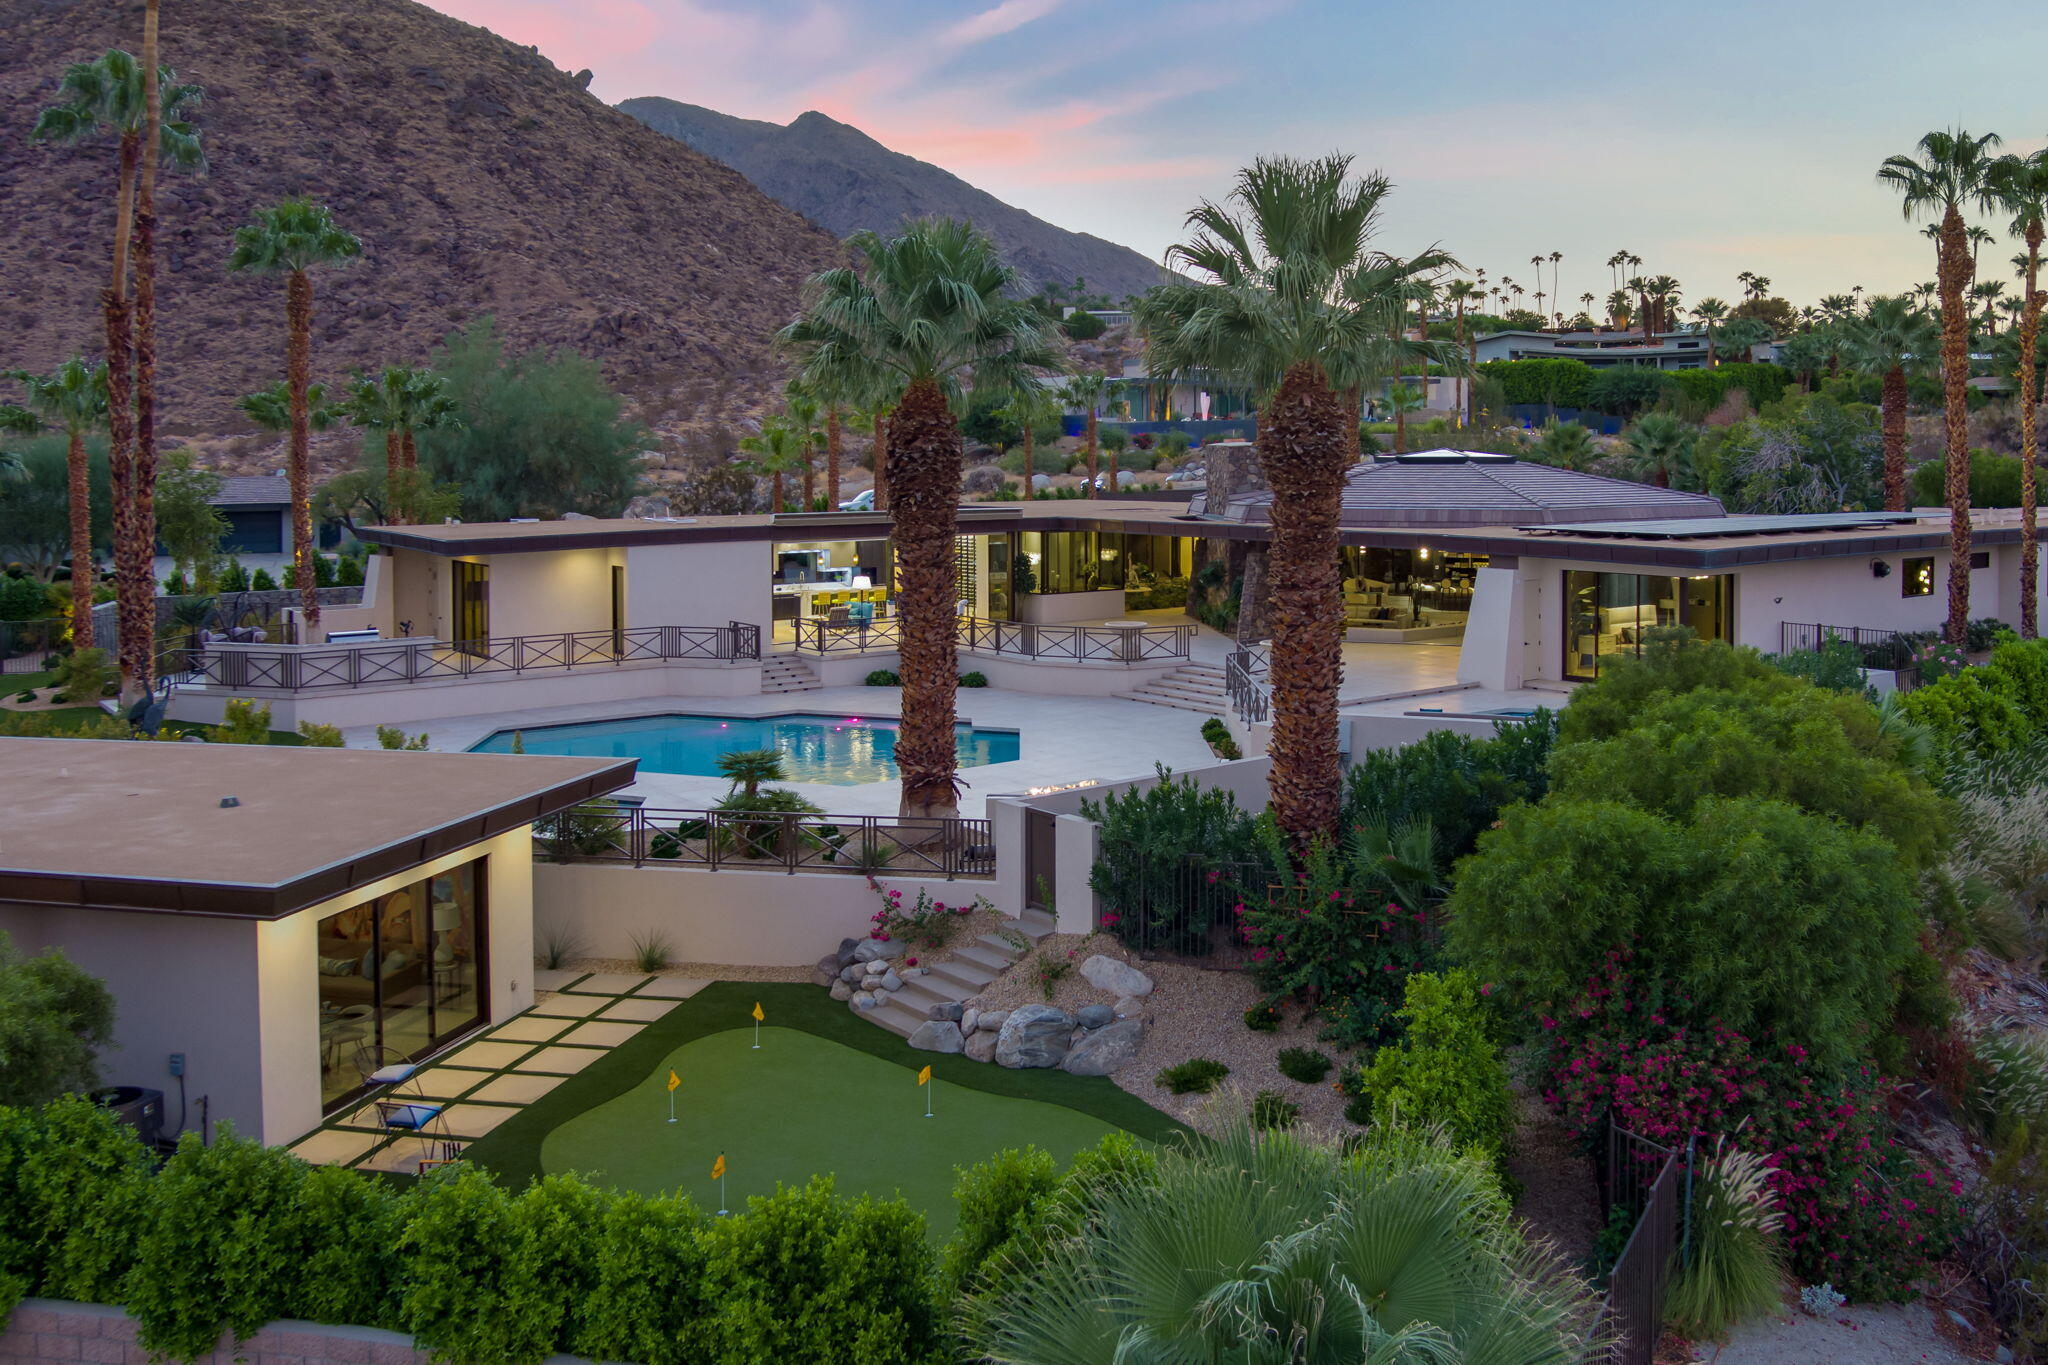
[962,976]
[786,673]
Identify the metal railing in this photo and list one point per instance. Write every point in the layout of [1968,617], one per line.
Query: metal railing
[1245,684]
[1879,647]
[32,646]
[761,841]
[1007,639]
[1644,1178]
[257,668]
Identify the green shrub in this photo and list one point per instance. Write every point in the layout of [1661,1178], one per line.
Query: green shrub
[244,722]
[1554,383]
[1304,1064]
[1272,1110]
[975,679]
[76,1181]
[1994,480]
[1445,1070]
[1217,735]
[1456,782]
[1990,709]
[647,1297]
[348,1228]
[652,951]
[86,675]
[884,677]
[261,581]
[391,737]
[314,735]
[1262,1018]
[997,1199]
[1045,459]
[23,598]
[1737,1267]
[54,1019]
[1196,1076]
[1156,844]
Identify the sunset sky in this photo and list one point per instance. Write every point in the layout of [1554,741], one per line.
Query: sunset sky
[1705,138]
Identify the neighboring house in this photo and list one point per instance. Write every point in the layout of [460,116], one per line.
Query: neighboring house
[258,508]
[281,921]
[1664,351]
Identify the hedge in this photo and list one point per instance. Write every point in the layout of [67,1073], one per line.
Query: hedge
[1989,709]
[1559,383]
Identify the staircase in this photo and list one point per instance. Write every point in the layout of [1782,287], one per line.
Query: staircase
[786,673]
[960,977]
[1197,687]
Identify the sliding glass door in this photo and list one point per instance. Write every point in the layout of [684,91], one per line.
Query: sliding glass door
[1608,614]
[472,606]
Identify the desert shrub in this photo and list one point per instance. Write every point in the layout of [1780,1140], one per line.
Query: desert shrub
[1174,444]
[998,1199]
[1990,709]
[884,677]
[1837,665]
[1045,459]
[314,735]
[1196,1076]
[2012,1093]
[261,581]
[391,737]
[85,675]
[1304,1064]
[75,1181]
[1163,847]
[652,951]
[1994,480]
[1737,1266]
[23,598]
[1272,1110]
[974,679]
[1456,782]
[1262,1018]
[2007,1245]
[928,924]
[1446,1069]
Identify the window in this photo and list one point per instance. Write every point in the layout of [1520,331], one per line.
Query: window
[399,976]
[1917,580]
[472,583]
[1069,561]
[1980,559]
[1610,613]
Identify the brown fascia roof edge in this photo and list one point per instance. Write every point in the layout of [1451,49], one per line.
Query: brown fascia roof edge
[247,901]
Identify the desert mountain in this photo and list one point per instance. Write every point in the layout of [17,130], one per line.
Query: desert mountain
[480,178]
[839,177]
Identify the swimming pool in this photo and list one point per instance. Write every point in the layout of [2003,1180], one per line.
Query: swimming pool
[839,751]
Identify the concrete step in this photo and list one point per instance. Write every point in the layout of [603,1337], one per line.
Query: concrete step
[893,1017]
[1034,924]
[1166,687]
[993,959]
[1177,703]
[1000,941]
[965,977]
[920,993]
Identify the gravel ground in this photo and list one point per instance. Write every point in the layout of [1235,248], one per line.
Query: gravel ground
[1558,1200]
[1888,1335]
[1195,1013]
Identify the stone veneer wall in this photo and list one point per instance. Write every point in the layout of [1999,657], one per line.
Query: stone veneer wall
[53,1332]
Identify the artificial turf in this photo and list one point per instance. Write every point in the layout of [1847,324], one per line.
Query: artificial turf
[835,1095]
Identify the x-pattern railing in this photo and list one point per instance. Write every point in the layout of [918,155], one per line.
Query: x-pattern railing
[1007,639]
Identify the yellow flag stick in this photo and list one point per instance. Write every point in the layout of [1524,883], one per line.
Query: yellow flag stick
[758,1017]
[673,1081]
[924,1079]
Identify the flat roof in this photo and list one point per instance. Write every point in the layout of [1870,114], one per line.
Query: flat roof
[129,825]
[1696,528]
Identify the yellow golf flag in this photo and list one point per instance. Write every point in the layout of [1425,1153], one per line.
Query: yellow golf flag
[673,1079]
[758,1015]
[924,1076]
[718,1167]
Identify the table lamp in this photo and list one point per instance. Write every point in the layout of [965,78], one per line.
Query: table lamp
[447,919]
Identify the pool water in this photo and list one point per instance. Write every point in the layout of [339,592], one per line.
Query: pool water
[839,751]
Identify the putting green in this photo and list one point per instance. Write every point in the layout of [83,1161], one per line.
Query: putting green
[802,1106]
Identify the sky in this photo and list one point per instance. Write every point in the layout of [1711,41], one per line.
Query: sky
[1706,138]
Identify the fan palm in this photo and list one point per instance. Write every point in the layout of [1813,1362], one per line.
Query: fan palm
[803,411]
[929,307]
[783,448]
[1711,313]
[1088,391]
[374,403]
[1893,340]
[1027,407]
[1568,445]
[1661,444]
[1951,172]
[1295,306]
[2021,186]
[73,398]
[289,239]
[1459,293]
[1277,1249]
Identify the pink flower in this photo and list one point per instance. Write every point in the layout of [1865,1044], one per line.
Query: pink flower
[910,962]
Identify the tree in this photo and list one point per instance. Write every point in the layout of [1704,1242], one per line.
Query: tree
[366,496]
[1567,445]
[35,509]
[2020,184]
[54,1018]
[271,408]
[290,239]
[1711,314]
[1029,407]
[932,306]
[1293,304]
[373,404]
[1273,1247]
[1951,173]
[1893,340]
[803,411]
[531,434]
[1661,444]
[187,522]
[1817,455]
[73,399]
[782,448]
[1088,391]
[1460,293]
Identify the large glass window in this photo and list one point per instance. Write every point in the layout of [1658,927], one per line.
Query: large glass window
[472,587]
[1408,588]
[1607,614]
[400,975]
[1069,561]
[1156,571]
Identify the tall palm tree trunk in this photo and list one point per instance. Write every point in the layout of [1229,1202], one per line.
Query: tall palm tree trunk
[1892,404]
[298,375]
[1354,406]
[1301,449]
[135,514]
[881,459]
[394,466]
[923,462]
[80,488]
[775,493]
[831,459]
[1953,274]
[1030,463]
[120,330]
[1093,456]
[810,478]
[2030,335]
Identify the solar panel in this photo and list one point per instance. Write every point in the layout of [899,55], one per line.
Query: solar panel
[1694,528]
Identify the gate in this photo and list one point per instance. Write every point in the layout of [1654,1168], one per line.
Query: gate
[1041,862]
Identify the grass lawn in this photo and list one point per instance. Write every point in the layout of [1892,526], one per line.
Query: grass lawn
[827,1093]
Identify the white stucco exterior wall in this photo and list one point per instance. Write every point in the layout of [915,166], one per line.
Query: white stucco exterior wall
[706,584]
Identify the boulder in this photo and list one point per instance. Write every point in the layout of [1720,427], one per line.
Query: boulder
[891,982]
[877,949]
[981,1047]
[991,1020]
[937,1035]
[1107,1049]
[853,973]
[1094,1016]
[969,1017]
[827,970]
[874,968]
[1130,1007]
[847,948]
[1034,1036]
[861,1002]
[841,991]
[948,1010]
[1118,978]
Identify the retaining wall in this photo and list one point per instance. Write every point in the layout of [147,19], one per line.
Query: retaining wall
[55,1332]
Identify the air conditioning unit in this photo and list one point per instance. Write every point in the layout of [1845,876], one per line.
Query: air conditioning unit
[140,1109]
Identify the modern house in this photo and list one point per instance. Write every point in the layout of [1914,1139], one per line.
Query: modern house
[1664,350]
[258,509]
[275,924]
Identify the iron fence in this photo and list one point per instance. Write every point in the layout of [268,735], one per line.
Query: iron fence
[1159,904]
[1245,684]
[1879,648]
[32,646]
[763,841]
[1644,1180]
[381,662]
[1008,639]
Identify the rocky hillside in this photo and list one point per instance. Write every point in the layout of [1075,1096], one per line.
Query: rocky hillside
[480,178]
[841,178]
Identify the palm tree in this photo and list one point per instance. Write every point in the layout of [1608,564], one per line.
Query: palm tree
[271,408]
[1088,390]
[1661,444]
[1952,171]
[803,410]
[783,448]
[927,309]
[1978,236]
[1711,314]
[1402,399]
[1459,293]
[1293,304]
[1556,287]
[73,398]
[1027,407]
[1275,1247]
[1893,340]
[2021,185]
[1567,445]
[289,239]
[374,404]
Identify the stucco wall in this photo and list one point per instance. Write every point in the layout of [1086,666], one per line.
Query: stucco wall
[706,584]
[771,919]
[1065,608]
[553,591]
